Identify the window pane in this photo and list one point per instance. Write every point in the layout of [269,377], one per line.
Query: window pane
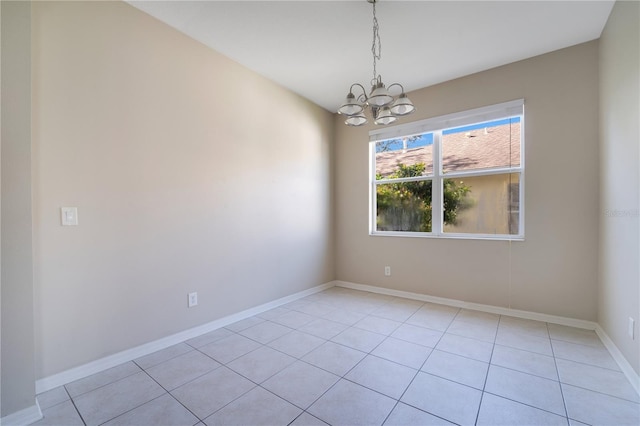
[482,204]
[403,206]
[406,157]
[482,146]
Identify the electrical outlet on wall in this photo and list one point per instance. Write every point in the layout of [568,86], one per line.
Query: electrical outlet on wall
[387,271]
[193,299]
[631,329]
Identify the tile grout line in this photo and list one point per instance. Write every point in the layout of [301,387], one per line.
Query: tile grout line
[103,385]
[260,384]
[167,392]
[330,387]
[419,370]
[526,404]
[512,369]
[74,406]
[534,375]
[555,363]
[194,414]
[486,377]
[168,359]
[198,377]
[358,363]
[343,377]
[493,345]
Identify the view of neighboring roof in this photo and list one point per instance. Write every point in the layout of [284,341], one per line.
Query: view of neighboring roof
[477,149]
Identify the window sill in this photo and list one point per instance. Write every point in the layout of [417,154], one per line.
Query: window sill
[448,236]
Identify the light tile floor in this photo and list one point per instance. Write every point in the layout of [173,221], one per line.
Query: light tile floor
[346,357]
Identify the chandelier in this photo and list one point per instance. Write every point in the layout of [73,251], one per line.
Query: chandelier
[385,108]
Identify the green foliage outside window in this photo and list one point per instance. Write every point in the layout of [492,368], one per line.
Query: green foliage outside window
[406,206]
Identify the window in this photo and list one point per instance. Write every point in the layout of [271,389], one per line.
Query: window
[457,176]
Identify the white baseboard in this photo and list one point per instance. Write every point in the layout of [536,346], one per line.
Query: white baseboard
[68,376]
[571,322]
[23,417]
[624,365]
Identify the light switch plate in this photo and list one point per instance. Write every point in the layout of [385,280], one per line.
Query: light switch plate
[69,216]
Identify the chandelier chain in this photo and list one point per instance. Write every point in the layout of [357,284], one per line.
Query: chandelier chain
[376,45]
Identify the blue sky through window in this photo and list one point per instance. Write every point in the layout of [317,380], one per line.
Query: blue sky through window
[426,139]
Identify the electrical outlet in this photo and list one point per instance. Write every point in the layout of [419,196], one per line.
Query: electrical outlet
[631,329]
[387,271]
[193,299]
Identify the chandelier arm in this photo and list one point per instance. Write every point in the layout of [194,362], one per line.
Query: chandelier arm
[364,92]
[396,84]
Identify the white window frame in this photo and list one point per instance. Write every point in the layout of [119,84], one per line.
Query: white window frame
[436,126]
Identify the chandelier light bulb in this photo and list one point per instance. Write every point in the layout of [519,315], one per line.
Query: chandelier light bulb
[356,120]
[384,116]
[350,106]
[402,106]
[379,96]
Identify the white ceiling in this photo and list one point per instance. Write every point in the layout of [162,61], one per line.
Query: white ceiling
[319,48]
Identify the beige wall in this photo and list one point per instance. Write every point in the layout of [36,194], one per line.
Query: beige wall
[190,173]
[554,271]
[17,372]
[619,291]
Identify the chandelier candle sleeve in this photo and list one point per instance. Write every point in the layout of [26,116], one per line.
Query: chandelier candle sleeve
[385,107]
